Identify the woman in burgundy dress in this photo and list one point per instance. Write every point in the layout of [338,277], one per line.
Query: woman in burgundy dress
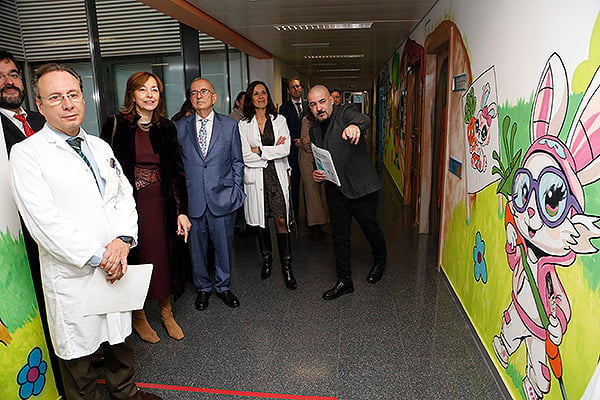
[144,141]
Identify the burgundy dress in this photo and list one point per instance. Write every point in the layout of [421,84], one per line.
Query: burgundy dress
[152,231]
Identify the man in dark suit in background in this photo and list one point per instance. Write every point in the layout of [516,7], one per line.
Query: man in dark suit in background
[212,158]
[293,111]
[339,130]
[16,122]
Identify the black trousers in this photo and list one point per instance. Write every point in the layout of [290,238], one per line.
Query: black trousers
[294,179]
[341,211]
[79,376]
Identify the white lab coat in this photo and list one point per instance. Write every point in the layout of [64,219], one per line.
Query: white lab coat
[63,209]
[254,207]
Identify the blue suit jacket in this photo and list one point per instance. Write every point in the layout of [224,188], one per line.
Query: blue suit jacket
[215,181]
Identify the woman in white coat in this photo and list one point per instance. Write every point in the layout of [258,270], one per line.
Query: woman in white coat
[265,147]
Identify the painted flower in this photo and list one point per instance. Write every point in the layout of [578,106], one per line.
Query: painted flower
[479,258]
[32,377]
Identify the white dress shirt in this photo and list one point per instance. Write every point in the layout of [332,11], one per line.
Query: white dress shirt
[11,115]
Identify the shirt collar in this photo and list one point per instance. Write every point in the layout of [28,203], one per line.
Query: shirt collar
[64,136]
[209,117]
[11,114]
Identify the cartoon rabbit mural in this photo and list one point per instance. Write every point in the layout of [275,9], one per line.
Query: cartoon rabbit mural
[546,226]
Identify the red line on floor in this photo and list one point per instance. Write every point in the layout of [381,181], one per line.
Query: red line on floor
[230,392]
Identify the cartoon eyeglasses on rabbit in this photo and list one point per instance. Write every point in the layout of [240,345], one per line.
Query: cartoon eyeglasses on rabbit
[554,199]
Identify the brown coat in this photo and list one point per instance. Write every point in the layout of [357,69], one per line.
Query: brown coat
[317,212]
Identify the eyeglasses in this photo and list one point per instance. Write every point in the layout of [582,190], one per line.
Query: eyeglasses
[201,92]
[554,198]
[56,99]
[13,75]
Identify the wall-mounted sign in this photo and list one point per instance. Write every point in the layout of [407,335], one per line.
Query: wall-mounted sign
[459,82]
[455,167]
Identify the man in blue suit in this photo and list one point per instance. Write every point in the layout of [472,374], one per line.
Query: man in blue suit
[214,168]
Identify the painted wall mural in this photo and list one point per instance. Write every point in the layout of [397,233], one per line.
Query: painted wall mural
[481,131]
[547,227]
[392,125]
[535,262]
[521,232]
[394,143]
[25,371]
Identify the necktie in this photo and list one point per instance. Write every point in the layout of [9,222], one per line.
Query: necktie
[299,109]
[75,143]
[203,136]
[26,127]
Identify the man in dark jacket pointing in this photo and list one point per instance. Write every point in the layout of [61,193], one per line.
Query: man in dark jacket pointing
[339,130]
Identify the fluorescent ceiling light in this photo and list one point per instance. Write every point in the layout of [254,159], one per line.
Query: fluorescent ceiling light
[330,56]
[339,70]
[341,77]
[311,45]
[324,26]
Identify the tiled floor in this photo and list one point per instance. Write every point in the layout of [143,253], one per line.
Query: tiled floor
[403,338]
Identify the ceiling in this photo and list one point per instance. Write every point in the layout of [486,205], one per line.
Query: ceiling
[393,20]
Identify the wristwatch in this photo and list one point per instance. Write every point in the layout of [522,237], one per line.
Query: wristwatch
[126,239]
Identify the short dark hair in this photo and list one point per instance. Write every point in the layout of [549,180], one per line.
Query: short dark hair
[7,55]
[293,78]
[239,96]
[51,67]
[335,90]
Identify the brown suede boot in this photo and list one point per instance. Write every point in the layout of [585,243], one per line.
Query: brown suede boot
[166,314]
[143,328]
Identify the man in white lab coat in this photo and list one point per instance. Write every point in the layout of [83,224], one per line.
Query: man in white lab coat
[80,210]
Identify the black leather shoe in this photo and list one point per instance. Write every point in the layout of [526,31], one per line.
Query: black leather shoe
[340,289]
[376,273]
[229,298]
[202,300]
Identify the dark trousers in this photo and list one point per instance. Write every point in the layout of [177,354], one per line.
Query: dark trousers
[294,179]
[220,231]
[341,211]
[79,377]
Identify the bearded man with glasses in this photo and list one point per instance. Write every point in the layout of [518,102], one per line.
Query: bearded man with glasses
[17,123]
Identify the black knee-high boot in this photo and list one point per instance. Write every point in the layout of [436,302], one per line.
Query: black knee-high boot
[266,251]
[284,244]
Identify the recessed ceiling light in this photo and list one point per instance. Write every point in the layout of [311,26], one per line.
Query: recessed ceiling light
[329,56]
[311,45]
[339,70]
[323,26]
[341,77]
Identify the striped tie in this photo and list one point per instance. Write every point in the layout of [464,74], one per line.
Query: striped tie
[75,143]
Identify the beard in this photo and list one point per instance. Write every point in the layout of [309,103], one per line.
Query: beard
[11,101]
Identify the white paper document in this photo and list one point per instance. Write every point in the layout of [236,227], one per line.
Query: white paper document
[126,294]
[324,163]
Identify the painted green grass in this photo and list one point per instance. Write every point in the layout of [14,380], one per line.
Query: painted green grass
[19,313]
[17,303]
[14,357]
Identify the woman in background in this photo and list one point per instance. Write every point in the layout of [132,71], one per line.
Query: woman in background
[144,141]
[317,213]
[265,147]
